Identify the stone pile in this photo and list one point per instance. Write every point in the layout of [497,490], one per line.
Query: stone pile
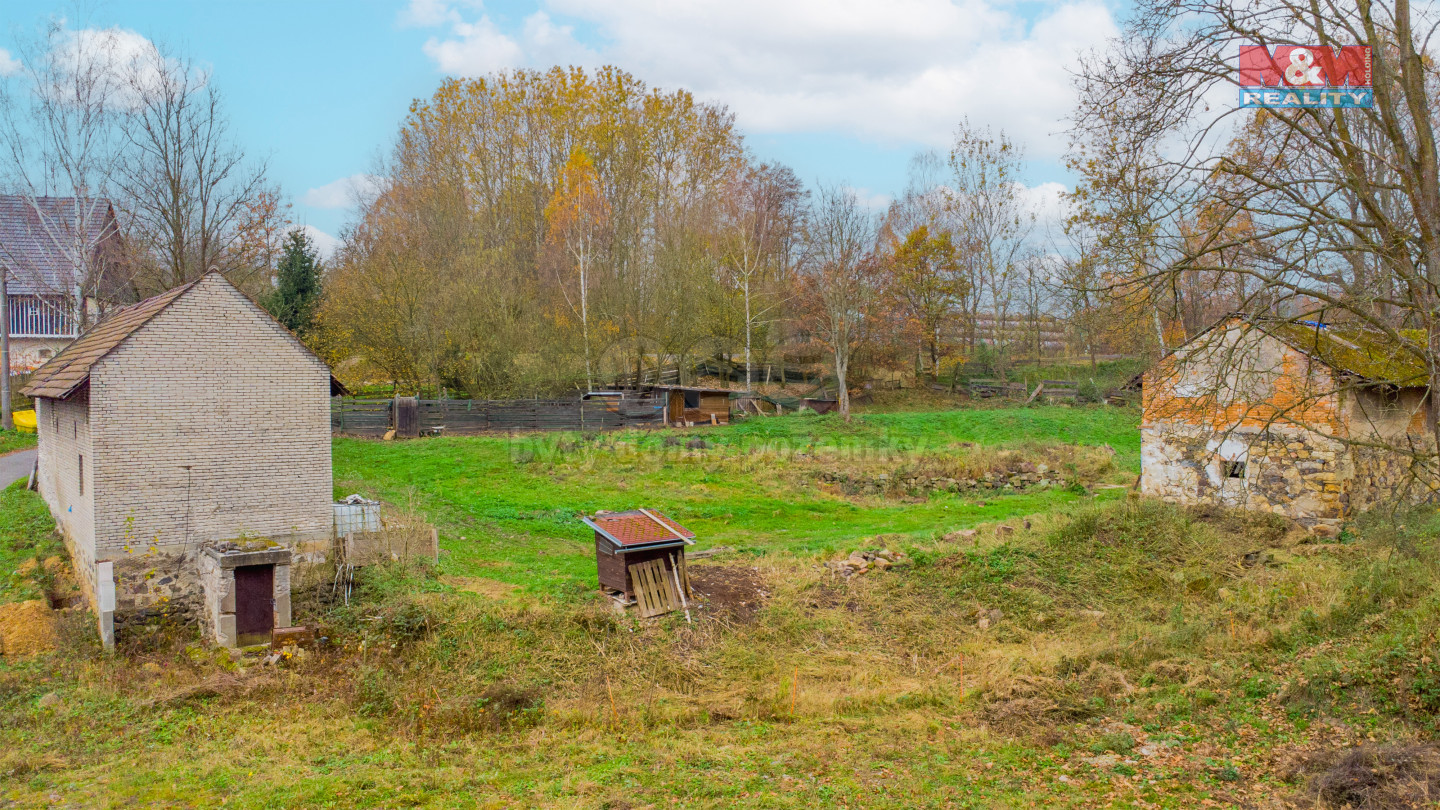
[1025,476]
[862,562]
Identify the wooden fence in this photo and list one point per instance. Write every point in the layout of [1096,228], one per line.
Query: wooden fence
[374,417]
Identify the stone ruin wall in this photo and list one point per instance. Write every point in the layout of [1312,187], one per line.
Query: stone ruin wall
[1245,397]
[1288,471]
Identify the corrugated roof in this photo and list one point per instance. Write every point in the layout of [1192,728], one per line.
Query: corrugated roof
[1364,352]
[69,369]
[34,232]
[639,527]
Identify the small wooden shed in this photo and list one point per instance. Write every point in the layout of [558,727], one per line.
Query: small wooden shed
[640,557]
[693,405]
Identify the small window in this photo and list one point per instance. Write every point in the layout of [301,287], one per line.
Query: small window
[1234,469]
[81,477]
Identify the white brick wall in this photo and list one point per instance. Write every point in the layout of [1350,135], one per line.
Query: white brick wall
[214,384]
[64,433]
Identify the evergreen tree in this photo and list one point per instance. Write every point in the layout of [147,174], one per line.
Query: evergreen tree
[297,289]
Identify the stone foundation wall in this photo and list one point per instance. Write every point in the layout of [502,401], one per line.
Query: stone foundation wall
[1288,471]
[1383,477]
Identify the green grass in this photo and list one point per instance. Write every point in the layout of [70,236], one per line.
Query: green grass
[11,440]
[1128,655]
[508,509]
[25,535]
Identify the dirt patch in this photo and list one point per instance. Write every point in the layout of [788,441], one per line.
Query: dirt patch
[492,588]
[733,591]
[27,628]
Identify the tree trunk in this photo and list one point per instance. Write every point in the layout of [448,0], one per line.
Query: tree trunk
[748,383]
[843,392]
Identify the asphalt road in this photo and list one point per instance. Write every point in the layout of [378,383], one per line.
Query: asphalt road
[16,466]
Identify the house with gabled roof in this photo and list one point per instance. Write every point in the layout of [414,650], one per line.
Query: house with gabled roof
[1312,420]
[184,451]
[60,257]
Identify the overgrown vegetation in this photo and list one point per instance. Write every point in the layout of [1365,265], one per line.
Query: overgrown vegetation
[1115,652]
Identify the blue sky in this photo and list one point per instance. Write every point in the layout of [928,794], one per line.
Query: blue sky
[841,90]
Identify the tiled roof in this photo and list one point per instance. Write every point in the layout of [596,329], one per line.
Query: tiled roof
[69,369]
[639,527]
[33,232]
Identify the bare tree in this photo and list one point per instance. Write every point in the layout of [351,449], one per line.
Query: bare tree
[840,279]
[992,214]
[761,211]
[188,189]
[1320,214]
[59,149]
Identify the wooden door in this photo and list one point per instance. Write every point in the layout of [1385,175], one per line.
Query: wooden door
[407,417]
[254,604]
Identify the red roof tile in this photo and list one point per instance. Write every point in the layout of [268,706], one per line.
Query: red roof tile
[637,528]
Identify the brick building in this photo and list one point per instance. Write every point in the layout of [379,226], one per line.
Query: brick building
[185,454]
[1299,418]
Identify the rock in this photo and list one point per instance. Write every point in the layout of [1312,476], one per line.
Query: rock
[1004,531]
[857,559]
[1102,761]
[51,700]
[886,555]
[882,564]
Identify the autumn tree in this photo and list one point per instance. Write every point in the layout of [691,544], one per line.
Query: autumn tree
[502,190]
[1333,209]
[926,281]
[840,278]
[576,218]
[761,213]
[991,211]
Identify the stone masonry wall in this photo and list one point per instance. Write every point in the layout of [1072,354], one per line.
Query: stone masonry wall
[1288,471]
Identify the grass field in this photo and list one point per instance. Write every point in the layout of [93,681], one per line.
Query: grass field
[1115,652]
[516,503]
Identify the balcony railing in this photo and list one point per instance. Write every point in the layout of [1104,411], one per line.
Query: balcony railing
[35,317]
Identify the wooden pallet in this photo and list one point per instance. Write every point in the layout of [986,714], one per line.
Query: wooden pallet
[654,589]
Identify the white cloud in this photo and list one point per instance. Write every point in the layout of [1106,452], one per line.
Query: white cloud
[343,193]
[9,65]
[874,200]
[903,71]
[324,243]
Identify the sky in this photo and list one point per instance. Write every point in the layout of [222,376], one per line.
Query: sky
[842,91]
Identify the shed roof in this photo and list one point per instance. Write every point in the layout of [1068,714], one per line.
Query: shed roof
[70,369]
[1350,348]
[701,389]
[1364,352]
[639,528]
